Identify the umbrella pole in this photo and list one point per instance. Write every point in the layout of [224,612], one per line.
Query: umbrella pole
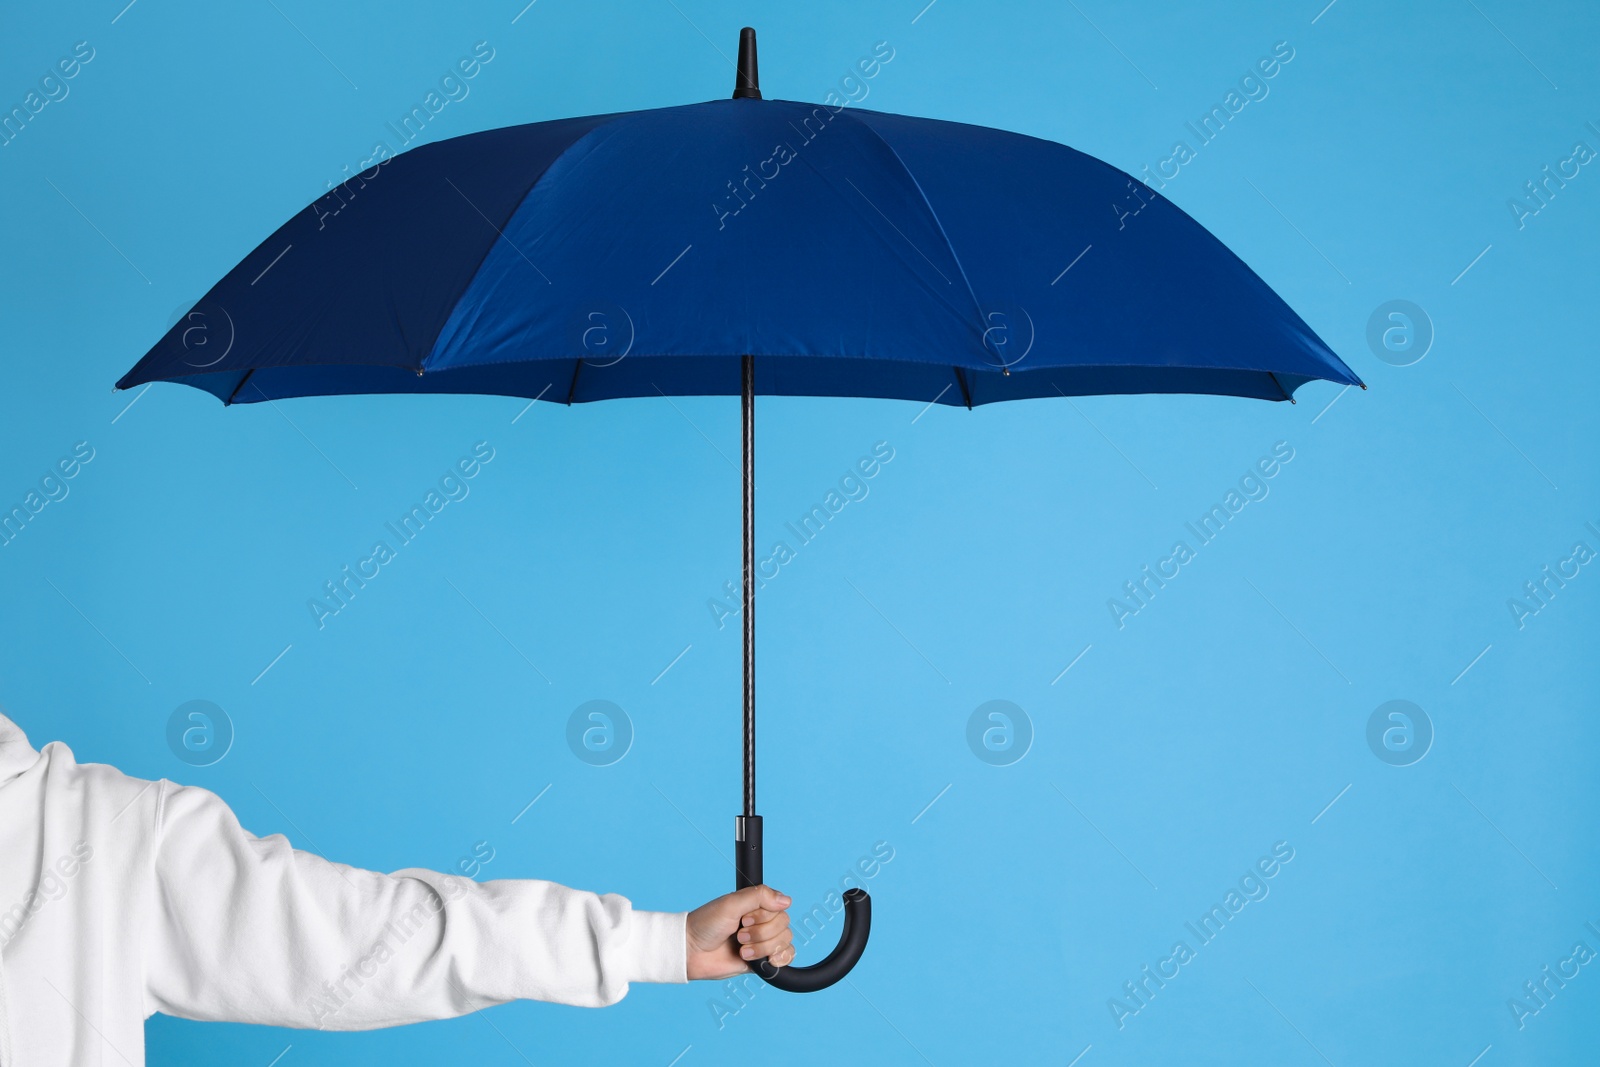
[747,827]
[748,410]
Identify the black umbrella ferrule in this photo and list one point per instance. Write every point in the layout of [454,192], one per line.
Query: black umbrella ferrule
[747,84]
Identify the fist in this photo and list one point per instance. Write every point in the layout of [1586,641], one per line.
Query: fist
[726,934]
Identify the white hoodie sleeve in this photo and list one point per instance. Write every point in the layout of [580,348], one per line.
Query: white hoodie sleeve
[248,929]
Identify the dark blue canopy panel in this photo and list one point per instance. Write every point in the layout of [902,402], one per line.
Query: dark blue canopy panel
[853,253]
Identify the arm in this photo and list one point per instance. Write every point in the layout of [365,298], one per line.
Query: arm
[248,929]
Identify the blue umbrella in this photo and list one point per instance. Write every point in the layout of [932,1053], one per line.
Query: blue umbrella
[738,247]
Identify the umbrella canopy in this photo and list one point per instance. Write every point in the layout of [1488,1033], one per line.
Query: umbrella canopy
[740,247]
[854,253]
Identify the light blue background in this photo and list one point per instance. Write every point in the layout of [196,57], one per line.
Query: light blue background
[1223,718]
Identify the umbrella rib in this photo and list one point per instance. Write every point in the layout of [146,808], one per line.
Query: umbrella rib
[921,279]
[601,122]
[1279,384]
[932,214]
[572,390]
[229,402]
[961,379]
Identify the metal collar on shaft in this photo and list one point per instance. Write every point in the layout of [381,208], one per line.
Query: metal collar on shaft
[748,408]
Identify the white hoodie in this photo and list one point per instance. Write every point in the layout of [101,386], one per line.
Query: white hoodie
[120,898]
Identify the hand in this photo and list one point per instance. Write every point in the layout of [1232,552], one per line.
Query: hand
[756,915]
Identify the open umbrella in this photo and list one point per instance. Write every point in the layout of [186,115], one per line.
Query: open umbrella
[743,246]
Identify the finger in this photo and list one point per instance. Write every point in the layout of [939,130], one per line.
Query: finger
[767,949]
[760,915]
[780,956]
[766,946]
[756,898]
[764,931]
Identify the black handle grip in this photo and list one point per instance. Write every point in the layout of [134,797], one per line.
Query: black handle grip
[852,939]
[836,964]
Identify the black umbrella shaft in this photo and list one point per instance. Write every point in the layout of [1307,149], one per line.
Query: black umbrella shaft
[748,409]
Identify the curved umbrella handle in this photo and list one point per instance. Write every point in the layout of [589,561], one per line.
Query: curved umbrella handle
[834,966]
[852,939]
